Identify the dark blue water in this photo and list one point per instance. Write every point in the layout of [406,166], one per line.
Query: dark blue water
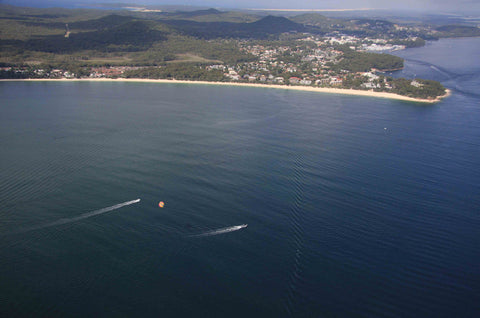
[355,206]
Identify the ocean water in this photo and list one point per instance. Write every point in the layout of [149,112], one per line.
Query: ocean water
[355,206]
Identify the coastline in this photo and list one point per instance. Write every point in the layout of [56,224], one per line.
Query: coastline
[341,91]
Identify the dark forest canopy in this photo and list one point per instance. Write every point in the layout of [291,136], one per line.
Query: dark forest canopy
[261,29]
[361,62]
[127,37]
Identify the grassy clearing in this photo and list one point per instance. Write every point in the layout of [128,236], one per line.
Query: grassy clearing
[112,60]
[188,57]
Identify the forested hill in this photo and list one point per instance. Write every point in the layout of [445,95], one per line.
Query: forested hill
[120,33]
[126,37]
[261,29]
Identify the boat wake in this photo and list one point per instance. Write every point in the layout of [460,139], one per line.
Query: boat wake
[77,218]
[221,231]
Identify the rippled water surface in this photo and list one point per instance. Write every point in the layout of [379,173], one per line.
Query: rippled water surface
[277,203]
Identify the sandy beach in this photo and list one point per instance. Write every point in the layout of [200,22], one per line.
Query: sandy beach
[296,88]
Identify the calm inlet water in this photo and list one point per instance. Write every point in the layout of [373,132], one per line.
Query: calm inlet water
[355,206]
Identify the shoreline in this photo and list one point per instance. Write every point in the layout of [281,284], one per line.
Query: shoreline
[340,91]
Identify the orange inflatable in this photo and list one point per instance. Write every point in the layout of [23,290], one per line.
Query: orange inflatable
[161,204]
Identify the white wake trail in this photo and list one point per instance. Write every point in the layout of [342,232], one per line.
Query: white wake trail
[77,218]
[221,231]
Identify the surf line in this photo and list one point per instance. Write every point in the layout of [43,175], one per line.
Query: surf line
[77,218]
[221,231]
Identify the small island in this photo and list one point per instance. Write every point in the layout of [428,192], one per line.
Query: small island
[306,52]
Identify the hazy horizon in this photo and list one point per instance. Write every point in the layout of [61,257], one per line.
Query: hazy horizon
[444,6]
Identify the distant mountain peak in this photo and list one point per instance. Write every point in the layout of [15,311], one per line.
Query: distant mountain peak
[212,11]
[273,18]
[200,12]
[280,24]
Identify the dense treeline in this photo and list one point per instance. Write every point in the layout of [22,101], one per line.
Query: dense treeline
[362,62]
[418,88]
[179,71]
[422,88]
[219,50]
